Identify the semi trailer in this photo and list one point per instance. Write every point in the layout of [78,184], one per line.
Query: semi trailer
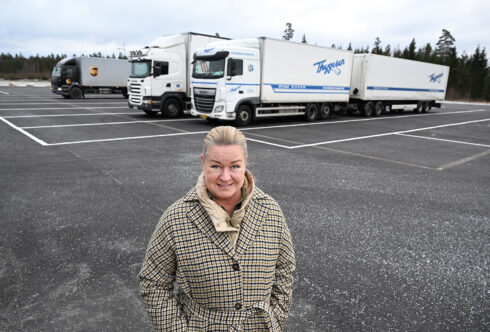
[381,83]
[160,73]
[242,80]
[74,77]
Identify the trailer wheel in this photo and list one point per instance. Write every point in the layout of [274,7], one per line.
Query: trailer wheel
[325,111]
[378,108]
[76,93]
[425,107]
[243,116]
[419,108]
[172,108]
[311,112]
[368,108]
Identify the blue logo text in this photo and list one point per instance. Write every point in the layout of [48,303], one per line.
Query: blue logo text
[327,68]
[435,78]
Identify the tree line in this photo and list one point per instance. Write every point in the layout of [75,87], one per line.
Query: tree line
[469,75]
[36,67]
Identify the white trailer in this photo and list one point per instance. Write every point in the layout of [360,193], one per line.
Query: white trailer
[245,79]
[74,77]
[160,73]
[381,83]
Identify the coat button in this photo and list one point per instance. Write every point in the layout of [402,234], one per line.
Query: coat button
[238,306]
[236,267]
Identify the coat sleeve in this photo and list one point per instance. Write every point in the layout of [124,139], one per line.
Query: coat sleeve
[157,278]
[282,289]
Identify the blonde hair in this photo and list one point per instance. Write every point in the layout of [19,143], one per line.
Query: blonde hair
[224,135]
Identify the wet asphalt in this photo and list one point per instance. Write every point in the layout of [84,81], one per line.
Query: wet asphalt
[390,223]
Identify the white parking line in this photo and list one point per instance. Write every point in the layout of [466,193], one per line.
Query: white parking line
[5,93]
[34,138]
[445,140]
[57,108]
[59,102]
[385,134]
[56,115]
[107,123]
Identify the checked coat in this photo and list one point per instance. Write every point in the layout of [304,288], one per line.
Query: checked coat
[220,288]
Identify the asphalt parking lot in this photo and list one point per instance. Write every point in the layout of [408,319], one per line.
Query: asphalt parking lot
[389,216]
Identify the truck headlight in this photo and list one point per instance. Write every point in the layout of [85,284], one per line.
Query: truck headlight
[219,109]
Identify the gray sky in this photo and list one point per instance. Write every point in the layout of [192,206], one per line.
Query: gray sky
[87,26]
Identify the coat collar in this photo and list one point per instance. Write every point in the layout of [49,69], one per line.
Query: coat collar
[255,214]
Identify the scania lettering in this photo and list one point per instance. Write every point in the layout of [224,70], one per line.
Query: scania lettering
[160,74]
[242,80]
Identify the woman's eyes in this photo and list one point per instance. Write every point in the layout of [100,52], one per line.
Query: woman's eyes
[218,166]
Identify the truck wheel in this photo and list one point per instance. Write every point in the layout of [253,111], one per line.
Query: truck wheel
[325,111]
[311,112]
[172,108]
[243,116]
[76,93]
[378,108]
[425,107]
[150,113]
[368,108]
[420,107]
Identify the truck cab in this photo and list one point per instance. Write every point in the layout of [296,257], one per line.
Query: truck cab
[156,75]
[226,80]
[65,74]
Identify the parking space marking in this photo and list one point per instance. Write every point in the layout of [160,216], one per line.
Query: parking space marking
[55,115]
[385,134]
[128,138]
[446,140]
[106,123]
[59,102]
[462,161]
[57,108]
[5,93]
[34,138]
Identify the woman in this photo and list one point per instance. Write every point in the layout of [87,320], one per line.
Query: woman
[226,245]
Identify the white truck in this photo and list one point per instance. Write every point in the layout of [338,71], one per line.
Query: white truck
[381,83]
[160,73]
[74,77]
[242,80]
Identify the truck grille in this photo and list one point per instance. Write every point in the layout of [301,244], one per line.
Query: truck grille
[204,99]
[135,95]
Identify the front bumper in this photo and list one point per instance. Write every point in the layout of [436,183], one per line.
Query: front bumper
[148,104]
[218,112]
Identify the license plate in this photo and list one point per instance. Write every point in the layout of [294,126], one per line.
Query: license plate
[204,116]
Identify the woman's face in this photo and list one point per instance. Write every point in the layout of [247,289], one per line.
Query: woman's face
[224,172]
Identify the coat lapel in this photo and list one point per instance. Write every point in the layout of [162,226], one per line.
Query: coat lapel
[255,215]
[200,217]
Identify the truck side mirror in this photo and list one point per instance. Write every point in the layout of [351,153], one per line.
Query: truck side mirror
[157,71]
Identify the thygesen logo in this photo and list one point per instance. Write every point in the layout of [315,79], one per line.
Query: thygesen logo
[435,78]
[327,68]
[235,88]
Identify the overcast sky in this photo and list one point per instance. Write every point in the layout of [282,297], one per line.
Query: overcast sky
[71,27]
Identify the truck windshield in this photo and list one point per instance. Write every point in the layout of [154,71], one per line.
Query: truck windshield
[209,68]
[56,71]
[140,69]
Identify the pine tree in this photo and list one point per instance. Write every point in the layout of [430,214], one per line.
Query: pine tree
[445,45]
[289,32]
[377,47]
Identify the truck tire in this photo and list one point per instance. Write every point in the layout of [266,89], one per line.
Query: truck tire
[76,93]
[172,108]
[378,108]
[311,112]
[425,107]
[325,111]
[243,116]
[419,108]
[368,109]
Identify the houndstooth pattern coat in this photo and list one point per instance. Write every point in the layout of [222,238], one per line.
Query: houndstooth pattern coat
[219,288]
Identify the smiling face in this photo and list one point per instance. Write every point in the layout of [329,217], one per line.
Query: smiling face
[224,172]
